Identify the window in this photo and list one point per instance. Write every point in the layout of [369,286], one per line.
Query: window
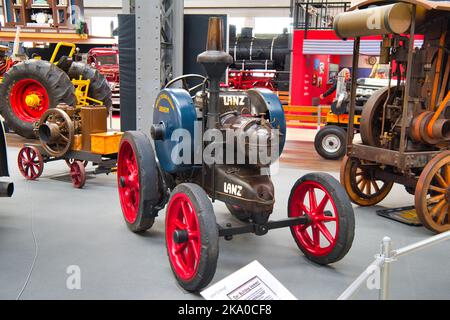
[103,26]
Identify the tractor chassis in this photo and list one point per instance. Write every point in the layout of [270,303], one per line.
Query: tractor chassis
[229,231]
[104,164]
[401,160]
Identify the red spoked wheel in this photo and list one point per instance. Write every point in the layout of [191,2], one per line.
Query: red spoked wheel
[78,174]
[29,100]
[69,162]
[192,237]
[30,162]
[328,236]
[129,190]
[140,190]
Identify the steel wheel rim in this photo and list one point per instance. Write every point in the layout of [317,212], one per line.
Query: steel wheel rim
[30,163]
[433,197]
[331,143]
[129,186]
[19,92]
[318,220]
[182,217]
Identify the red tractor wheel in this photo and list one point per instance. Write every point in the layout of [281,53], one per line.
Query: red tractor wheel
[140,186]
[192,237]
[69,162]
[30,162]
[78,174]
[29,99]
[329,234]
[31,88]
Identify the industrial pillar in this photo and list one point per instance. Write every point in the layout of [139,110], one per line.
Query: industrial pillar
[159,51]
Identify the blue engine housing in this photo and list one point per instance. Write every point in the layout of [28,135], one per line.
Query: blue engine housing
[174,109]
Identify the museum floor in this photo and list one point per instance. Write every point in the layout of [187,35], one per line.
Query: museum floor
[85,228]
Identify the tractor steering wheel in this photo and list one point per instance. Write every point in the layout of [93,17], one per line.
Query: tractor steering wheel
[184,79]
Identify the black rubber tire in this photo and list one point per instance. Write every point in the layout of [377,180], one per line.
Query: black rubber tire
[209,237]
[345,215]
[149,181]
[340,133]
[238,213]
[5,126]
[99,88]
[57,84]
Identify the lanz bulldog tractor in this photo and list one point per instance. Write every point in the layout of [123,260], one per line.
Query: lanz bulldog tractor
[6,188]
[405,127]
[319,214]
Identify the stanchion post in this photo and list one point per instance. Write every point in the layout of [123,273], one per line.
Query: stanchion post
[386,252]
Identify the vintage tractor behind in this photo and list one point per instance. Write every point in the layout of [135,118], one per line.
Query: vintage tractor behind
[331,140]
[6,188]
[78,135]
[32,87]
[405,127]
[106,61]
[187,170]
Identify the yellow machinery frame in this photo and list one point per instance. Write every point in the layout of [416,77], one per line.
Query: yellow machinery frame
[81,86]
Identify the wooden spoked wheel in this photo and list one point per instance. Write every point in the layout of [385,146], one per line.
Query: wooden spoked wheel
[56,132]
[432,197]
[363,188]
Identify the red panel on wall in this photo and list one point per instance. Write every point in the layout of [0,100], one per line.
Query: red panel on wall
[310,72]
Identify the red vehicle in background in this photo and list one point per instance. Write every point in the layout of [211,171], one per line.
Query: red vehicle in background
[106,61]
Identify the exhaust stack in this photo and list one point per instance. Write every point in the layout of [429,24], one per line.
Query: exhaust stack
[215,61]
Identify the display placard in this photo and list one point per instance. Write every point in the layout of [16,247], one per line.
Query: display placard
[253,282]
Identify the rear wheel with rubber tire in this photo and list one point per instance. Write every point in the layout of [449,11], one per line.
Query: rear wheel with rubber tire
[99,87]
[331,142]
[329,235]
[28,90]
[139,181]
[192,237]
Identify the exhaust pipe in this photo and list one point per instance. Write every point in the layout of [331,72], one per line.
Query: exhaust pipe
[6,189]
[49,132]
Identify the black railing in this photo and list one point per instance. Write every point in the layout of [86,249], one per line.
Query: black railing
[316,15]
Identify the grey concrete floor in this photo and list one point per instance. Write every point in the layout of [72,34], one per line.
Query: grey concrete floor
[85,228]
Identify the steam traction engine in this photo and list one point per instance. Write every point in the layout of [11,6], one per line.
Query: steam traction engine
[405,127]
[320,215]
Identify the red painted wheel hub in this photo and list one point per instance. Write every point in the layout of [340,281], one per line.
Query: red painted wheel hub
[183,236]
[128,176]
[18,100]
[319,237]
[30,162]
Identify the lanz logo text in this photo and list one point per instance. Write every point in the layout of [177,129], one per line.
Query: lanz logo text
[234,100]
[232,189]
